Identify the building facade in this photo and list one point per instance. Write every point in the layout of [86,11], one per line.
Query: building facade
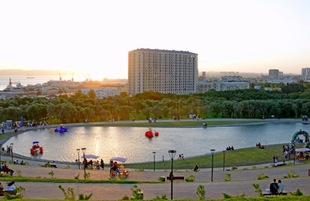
[305,73]
[219,85]
[164,71]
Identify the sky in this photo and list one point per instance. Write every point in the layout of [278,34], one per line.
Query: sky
[94,37]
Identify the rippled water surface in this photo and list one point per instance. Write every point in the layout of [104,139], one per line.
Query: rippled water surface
[130,142]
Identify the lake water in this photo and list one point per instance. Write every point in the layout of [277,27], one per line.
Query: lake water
[130,142]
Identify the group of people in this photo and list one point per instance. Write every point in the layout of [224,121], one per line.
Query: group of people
[5,168]
[259,145]
[93,164]
[276,187]
[116,169]
[230,148]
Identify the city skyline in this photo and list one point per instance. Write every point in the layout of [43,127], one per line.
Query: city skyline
[94,38]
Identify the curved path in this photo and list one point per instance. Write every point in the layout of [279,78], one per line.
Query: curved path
[241,182]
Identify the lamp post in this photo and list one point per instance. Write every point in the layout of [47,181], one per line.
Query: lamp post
[154,159]
[212,153]
[224,160]
[11,146]
[78,160]
[0,152]
[84,161]
[171,154]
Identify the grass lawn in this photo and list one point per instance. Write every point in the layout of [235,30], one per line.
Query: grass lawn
[238,157]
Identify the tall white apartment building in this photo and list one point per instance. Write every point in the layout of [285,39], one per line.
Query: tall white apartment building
[164,71]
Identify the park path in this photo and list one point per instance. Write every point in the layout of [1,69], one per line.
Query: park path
[241,182]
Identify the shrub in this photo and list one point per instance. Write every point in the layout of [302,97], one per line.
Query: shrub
[292,174]
[162,179]
[298,192]
[190,178]
[257,189]
[69,193]
[137,193]
[201,192]
[86,175]
[262,176]
[228,177]
[51,173]
[77,177]
[84,197]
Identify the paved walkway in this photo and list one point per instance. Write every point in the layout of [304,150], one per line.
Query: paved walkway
[241,182]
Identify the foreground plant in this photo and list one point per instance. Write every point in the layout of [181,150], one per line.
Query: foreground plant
[258,190]
[201,192]
[137,193]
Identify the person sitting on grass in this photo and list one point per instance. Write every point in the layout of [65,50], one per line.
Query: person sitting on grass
[53,164]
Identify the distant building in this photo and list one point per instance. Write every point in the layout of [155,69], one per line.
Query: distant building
[104,92]
[221,86]
[305,73]
[274,73]
[164,71]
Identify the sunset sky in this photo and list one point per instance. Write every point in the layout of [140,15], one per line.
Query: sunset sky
[94,37]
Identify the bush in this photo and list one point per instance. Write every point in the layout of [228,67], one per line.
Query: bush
[228,177]
[201,192]
[298,192]
[190,178]
[262,176]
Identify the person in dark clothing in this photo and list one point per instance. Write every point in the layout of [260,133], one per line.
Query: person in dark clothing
[274,187]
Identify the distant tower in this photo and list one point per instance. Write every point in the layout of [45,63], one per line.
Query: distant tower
[274,73]
[204,74]
[164,71]
[305,73]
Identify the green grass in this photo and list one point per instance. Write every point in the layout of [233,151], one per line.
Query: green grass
[238,157]
[176,123]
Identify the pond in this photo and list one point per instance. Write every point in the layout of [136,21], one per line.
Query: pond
[130,142]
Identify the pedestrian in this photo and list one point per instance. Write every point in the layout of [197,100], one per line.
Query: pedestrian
[163,158]
[102,164]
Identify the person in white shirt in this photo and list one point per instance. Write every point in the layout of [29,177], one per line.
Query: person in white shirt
[11,186]
[281,186]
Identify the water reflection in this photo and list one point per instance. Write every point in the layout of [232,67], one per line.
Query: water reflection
[130,142]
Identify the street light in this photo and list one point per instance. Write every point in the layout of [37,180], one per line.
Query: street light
[0,152]
[212,153]
[78,160]
[154,159]
[84,161]
[171,154]
[12,151]
[224,160]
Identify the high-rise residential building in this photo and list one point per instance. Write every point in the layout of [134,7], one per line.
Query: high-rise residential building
[305,73]
[274,73]
[164,71]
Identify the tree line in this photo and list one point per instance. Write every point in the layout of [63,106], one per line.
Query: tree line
[291,101]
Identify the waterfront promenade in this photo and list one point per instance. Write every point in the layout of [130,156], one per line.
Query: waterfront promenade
[241,181]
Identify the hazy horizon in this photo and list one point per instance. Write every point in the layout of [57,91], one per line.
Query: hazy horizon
[94,38]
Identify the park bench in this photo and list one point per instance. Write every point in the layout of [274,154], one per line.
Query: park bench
[268,193]
[9,192]
[176,178]
[7,170]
